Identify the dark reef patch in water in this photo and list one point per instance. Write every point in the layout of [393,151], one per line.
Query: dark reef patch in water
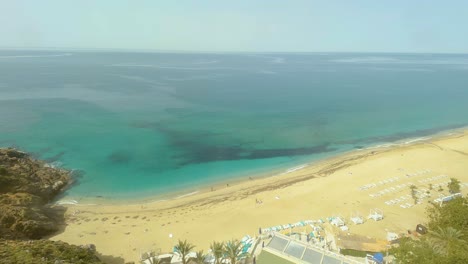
[143,124]
[203,153]
[194,148]
[119,156]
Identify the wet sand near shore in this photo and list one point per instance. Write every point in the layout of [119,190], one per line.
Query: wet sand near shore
[353,183]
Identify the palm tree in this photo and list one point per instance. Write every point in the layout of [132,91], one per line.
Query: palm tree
[444,239]
[454,185]
[151,256]
[199,257]
[414,193]
[233,250]
[217,248]
[183,248]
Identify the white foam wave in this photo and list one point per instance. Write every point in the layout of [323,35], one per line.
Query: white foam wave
[295,168]
[385,145]
[185,195]
[54,165]
[406,142]
[70,202]
[157,201]
[416,140]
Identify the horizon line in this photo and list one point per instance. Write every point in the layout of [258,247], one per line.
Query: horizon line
[213,52]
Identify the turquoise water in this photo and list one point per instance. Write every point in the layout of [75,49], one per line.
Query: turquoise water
[140,124]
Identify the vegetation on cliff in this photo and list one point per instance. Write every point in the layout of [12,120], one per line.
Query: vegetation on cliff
[27,186]
[46,252]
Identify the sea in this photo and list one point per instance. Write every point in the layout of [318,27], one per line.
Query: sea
[142,124]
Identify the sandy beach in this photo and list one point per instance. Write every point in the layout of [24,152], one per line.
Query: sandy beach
[354,182]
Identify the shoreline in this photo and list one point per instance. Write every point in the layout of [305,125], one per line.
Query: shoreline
[226,183]
[331,187]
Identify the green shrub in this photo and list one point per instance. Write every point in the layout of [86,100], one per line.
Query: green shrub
[3,170]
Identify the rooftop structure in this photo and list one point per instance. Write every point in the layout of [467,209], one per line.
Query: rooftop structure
[291,251]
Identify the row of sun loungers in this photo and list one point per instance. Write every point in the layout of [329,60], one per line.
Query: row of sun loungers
[422,172]
[247,242]
[406,185]
[441,184]
[418,173]
[398,200]
[429,179]
[393,179]
[406,205]
[288,226]
[383,182]
[421,194]
[390,189]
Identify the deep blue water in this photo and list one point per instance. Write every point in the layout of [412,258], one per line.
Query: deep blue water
[139,124]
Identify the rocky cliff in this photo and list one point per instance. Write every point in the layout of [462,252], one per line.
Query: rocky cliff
[26,188]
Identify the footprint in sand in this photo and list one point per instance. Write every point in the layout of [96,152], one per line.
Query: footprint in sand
[136,216]
[104,219]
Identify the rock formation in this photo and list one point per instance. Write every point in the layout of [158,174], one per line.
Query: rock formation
[27,186]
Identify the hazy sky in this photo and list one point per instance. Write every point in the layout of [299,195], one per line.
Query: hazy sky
[238,25]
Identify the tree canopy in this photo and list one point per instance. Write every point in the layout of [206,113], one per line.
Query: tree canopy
[454,185]
[447,240]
